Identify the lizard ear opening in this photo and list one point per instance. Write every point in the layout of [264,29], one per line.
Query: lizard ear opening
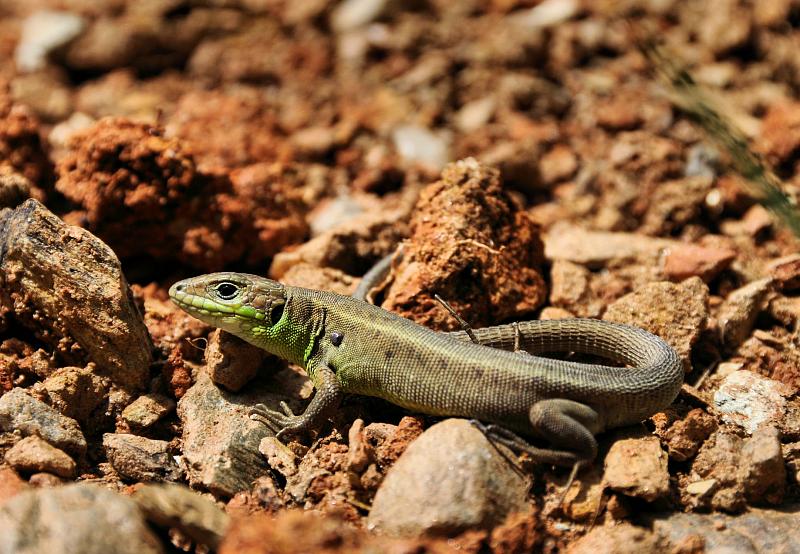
[276,313]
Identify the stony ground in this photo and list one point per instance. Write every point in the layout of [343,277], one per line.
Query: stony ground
[527,162]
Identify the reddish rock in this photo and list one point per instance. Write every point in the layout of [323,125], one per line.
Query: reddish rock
[11,484]
[21,146]
[780,131]
[471,244]
[293,531]
[685,437]
[786,272]
[687,260]
[143,194]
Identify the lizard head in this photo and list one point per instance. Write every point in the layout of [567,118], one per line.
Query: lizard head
[242,304]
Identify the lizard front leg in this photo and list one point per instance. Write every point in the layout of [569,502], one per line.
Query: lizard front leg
[327,398]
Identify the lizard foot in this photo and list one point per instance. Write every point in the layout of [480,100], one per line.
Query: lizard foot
[281,423]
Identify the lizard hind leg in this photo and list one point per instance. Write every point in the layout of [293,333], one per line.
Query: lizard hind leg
[567,426]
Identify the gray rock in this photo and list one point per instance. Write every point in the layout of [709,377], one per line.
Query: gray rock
[417,144]
[220,441]
[74,519]
[448,480]
[42,32]
[754,532]
[139,458]
[147,410]
[730,472]
[23,413]
[750,400]
[763,472]
[170,505]
[32,454]
[74,292]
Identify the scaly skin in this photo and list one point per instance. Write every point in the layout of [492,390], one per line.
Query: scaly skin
[349,346]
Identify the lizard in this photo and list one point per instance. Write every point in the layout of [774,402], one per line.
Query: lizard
[347,345]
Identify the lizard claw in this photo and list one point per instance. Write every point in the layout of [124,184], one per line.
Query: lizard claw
[281,423]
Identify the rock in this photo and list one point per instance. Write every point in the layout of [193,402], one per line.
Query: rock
[177,506]
[230,361]
[474,115]
[42,32]
[570,289]
[449,480]
[352,14]
[739,310]
[559,164]
[780,131]
[165,208]
[314,141]
[46,93]
[548,13]
[754,223]
[730,472]
[620,539]
[791,453]
[726,26]
[319,278]
[75,295]
[586,496]
[45,481]
[713,482]
[675,312]
[685,437]
[749,400]
[688,260]
[220,441]
[674,204]
[638,468]
[597,248]
[147,410]
[279,456]
[786,272]
[352,247]
[359,450]
[72,519]
[468,236]
[290,531]
[763,470]
[14,188]
[11,485]
[139,458]
[417,144]
[76,392]
[753,532]
[22,413]
[33,454]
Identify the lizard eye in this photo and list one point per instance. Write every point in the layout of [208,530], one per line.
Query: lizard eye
[227,290]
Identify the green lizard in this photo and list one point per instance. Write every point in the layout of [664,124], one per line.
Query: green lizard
[350,346]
